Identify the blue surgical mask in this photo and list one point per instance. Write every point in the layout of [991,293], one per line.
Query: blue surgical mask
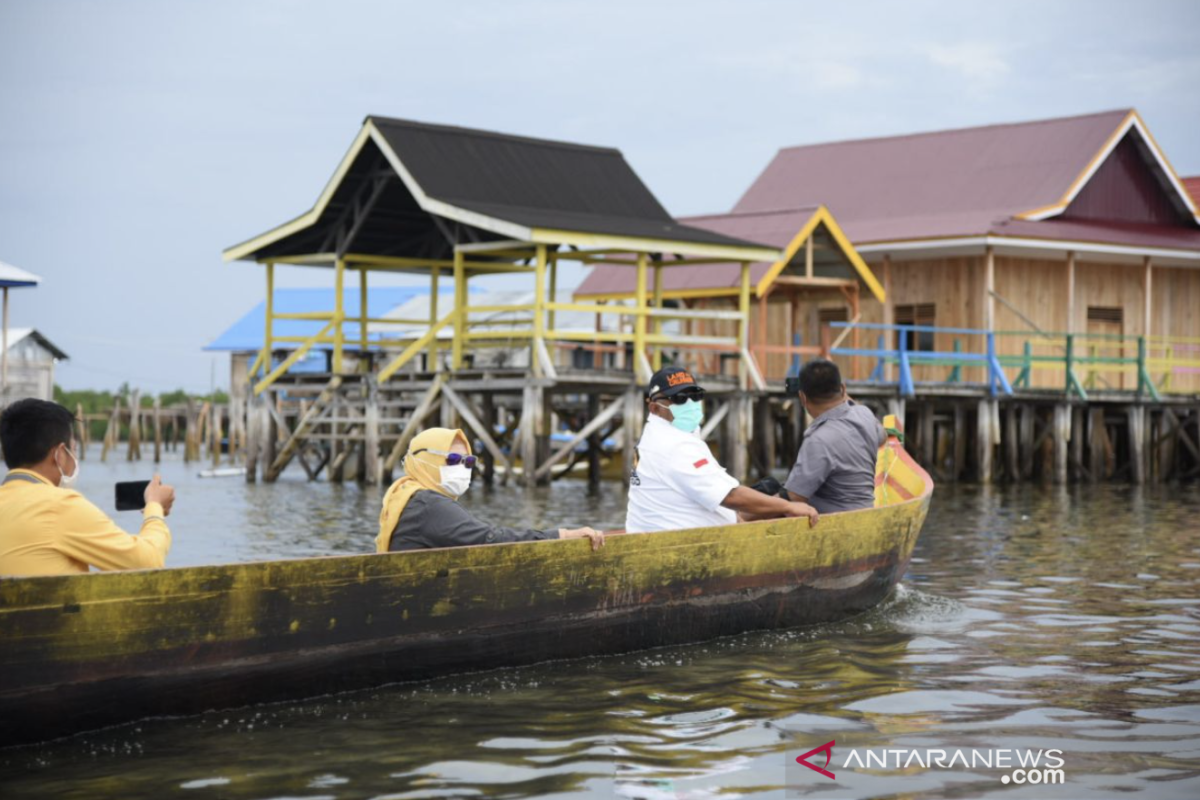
[689,416]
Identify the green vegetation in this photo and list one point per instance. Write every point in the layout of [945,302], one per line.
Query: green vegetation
[95,401]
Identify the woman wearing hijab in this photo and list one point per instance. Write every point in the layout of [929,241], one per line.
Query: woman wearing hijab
[421,509]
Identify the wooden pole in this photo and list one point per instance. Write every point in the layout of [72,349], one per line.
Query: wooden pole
[363,353]
[268,344]
[989,286]
[339,314]
[432,360]
[134,452]
[1147,269]
[889,311]
[539,313]
[460,313]
[983,440]
[743,335]
[1062,438]
[157,430]
[658,304]
[639,321]
[372,464]
[80,432]
[1070,328]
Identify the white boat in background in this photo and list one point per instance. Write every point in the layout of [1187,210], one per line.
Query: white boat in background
[223,472]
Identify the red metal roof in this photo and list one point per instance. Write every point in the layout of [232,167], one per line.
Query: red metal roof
[966,182]
[775,228]
[1193,187]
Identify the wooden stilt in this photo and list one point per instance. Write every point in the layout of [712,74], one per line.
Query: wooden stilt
[983,441]
[1025,423]
[1061,439]
[1012,443]
[960,442]
[1136,417]
[371,463]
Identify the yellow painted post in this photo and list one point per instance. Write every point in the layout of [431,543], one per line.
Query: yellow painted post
[339,314]
[363,314]
[539,309]
[553,287]
[658,303]
[267,344]
[433,318]
[743,336]
[639,320]
[460,313]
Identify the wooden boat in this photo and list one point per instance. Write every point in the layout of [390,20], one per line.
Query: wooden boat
[86,651]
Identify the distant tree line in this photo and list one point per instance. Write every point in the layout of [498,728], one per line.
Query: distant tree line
[94,401]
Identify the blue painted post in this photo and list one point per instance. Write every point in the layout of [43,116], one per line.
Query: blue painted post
[906,382]
[796,340]
[995,372]
[877,373]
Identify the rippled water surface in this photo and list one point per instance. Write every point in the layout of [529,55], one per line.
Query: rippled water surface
[1031,618]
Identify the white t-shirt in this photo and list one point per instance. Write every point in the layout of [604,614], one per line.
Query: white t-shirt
[676,482]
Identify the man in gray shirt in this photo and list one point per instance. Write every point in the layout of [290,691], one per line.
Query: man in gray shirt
[835,468]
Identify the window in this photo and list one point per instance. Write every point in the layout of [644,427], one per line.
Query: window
[1107,315]
[918,314]
[828,315]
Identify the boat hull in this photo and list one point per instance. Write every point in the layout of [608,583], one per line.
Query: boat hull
[82,652]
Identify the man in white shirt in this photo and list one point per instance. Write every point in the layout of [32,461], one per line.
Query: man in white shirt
[676,481]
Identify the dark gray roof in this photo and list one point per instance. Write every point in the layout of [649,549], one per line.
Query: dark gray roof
[537,183]
[533,183]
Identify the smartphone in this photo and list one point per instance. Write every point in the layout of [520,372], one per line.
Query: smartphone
[131,495]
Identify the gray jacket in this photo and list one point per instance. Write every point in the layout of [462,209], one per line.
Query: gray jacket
[433,520]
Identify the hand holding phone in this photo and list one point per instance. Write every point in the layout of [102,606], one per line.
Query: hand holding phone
[159,492]
[134,495]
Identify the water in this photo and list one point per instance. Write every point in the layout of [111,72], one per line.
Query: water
[1031,618]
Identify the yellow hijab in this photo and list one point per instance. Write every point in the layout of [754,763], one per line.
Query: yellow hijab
[419,473]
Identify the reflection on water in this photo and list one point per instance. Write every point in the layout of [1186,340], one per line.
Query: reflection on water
[1031,618]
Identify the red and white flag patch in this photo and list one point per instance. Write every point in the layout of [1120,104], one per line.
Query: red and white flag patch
[700,463]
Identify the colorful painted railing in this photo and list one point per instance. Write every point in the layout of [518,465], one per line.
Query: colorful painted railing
[1105,361]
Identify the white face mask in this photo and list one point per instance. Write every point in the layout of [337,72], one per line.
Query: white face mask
[67,480]
[456,480]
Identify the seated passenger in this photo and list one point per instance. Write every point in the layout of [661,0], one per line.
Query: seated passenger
[47,528]
[421,510]
[835,468]
[676,481]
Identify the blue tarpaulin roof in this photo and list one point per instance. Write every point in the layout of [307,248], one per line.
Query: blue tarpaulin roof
[247,333]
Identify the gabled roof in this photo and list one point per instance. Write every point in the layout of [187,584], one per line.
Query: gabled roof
[484,185]
[1192,185]
[11,276]
[976,181]
[17,335]
[247,334]
[786,229]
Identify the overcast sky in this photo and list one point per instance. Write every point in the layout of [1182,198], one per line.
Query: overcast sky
[139,139]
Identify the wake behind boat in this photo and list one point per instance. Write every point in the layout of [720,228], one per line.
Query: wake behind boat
[81,652]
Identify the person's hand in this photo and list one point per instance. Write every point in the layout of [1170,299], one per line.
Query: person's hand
[803,510]
[158,492]
[596,537]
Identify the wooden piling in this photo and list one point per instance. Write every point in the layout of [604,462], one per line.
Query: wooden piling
[157,430]
[983,440]
[1062,439]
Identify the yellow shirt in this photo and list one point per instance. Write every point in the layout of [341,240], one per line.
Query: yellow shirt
[45,530]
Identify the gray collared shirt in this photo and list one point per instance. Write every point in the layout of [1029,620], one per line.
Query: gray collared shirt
[835,468]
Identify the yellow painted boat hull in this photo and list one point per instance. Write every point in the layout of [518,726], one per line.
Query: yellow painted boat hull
[81,652]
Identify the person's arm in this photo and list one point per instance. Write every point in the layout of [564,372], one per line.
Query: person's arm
[753,505]
[812,468]
[442,522]
[90,536]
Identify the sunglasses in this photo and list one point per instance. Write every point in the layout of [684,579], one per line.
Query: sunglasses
[452,459]
[680,399]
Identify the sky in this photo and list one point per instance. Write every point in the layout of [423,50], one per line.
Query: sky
[140,139]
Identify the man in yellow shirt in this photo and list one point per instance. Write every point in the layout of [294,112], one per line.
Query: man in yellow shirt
[48,529]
